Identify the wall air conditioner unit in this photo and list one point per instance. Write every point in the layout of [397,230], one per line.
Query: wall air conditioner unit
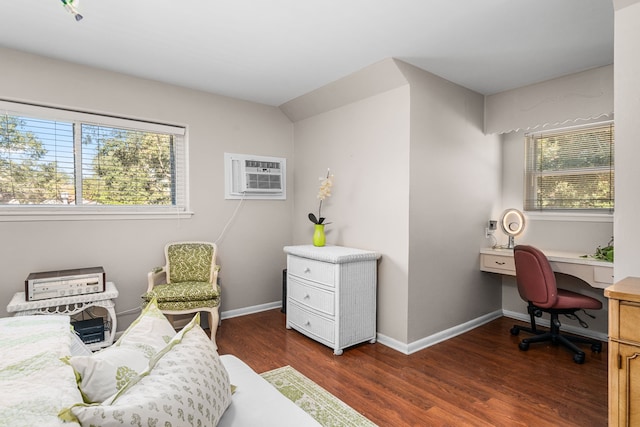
[254,177]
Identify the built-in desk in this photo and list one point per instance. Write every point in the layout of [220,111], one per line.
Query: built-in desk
[598,274]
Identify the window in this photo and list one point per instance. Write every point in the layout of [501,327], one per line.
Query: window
[72,161]
[570,170]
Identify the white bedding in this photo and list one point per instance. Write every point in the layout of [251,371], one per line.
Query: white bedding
[34,383]
[257,403]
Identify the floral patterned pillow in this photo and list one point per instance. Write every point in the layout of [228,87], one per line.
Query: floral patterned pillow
[150,329]
[185,384]
[103,373]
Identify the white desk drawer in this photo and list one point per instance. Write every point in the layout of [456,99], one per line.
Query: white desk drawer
[312,297]
[603,274]
[310,323]
[497,262]
[317,271]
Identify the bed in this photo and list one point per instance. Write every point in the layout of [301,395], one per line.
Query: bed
[34,383]
[254,402]
[40,360]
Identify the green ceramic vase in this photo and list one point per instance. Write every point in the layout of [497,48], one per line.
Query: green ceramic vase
[318,235]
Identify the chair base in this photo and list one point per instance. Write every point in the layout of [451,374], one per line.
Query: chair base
[554,335]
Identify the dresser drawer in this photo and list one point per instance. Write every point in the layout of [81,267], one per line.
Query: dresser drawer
[629,321]
[310,324]
[497,262]
[317,271]
[311,296]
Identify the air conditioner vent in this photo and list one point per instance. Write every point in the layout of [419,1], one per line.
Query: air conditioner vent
[262,176]
[254,177]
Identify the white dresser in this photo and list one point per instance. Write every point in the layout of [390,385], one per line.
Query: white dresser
[331,294]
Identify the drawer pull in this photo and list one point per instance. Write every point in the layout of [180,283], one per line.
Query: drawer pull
[307,323]
[500,262]
[307,270]
[307,296]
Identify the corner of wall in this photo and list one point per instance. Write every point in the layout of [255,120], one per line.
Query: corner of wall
[372,80]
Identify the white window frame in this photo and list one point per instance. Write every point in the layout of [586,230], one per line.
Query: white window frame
[79,212]
[586,214]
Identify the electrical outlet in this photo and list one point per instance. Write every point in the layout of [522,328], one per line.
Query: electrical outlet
[493,225]
[488,232]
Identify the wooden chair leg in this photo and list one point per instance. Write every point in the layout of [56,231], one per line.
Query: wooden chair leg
[214,317]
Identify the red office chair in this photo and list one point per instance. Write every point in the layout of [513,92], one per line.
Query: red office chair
[537,286]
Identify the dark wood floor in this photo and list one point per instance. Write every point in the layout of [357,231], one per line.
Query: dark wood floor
[479,378]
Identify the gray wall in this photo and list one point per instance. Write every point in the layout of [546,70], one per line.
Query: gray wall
[415,180]
[365,143]
[452,195]
[627,105]
[250,253]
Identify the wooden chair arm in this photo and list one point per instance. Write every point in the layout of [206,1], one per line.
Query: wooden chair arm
[153,276]
[216,269]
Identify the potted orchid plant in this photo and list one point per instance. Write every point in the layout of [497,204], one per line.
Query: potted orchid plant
[324,192]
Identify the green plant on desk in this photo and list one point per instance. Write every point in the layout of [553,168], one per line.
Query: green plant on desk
[603,254]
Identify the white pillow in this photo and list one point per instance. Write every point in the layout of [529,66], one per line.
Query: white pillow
[104,373]
[151,329]
[186,384]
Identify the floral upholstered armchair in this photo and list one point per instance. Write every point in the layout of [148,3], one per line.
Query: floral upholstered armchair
[188,282]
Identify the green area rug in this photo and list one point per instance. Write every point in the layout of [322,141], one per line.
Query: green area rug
[327,409]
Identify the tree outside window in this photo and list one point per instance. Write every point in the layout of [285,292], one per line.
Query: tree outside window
[49,162]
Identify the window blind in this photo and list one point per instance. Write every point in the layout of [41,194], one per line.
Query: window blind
[570,169]
[71,159]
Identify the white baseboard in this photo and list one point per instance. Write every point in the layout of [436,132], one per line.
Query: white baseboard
[236,313]
[432,339]
[474,323]
[250,310]
[393,344]
[181,323]
[438,337]
[566,328]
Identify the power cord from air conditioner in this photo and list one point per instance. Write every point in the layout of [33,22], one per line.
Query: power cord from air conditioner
[235,212]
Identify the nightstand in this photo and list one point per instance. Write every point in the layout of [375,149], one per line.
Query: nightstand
[71,305]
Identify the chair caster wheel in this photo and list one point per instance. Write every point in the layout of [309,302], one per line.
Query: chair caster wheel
[515,330]
[596,348]
[524,346]
[578,358]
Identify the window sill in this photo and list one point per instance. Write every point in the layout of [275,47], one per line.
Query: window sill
[83,214]
[568,216]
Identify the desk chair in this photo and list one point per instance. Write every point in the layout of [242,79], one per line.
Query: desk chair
[537,285]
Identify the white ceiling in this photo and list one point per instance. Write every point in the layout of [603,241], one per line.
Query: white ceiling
[271,51]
